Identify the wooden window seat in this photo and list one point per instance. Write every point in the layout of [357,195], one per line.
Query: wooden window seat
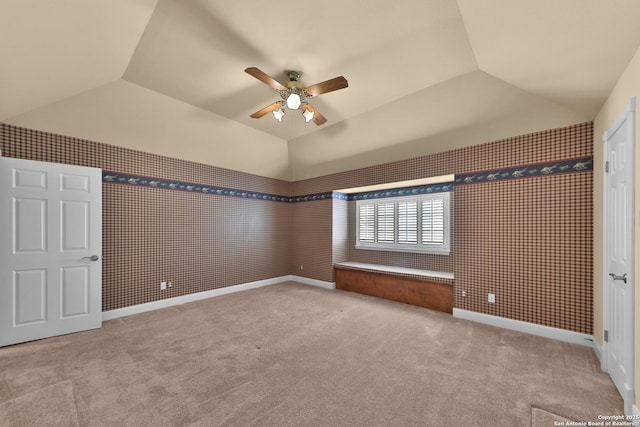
[407,285]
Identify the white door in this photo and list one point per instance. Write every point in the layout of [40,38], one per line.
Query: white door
[50,247]
[618,268]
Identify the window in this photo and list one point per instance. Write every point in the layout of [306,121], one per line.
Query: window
[405,224]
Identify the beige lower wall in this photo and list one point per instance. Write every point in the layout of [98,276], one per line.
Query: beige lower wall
[627,86]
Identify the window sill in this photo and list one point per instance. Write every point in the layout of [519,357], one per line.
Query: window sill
[398,248]
[398,270]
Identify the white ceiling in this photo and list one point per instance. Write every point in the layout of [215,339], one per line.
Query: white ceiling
[424,75]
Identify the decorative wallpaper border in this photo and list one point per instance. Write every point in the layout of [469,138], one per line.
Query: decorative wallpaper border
[406,191]
[144,181]
[527,171]
[317,196]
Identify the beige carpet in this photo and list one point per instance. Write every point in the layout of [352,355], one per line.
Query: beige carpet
[296,355]
[53,405]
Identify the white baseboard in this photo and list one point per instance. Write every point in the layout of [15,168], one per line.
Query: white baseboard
[530,328]
[155,305]
[313,282]
[597,349]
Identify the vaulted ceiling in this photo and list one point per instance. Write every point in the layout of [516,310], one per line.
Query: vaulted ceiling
[166,76]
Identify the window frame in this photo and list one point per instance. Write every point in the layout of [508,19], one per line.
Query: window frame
[396,245]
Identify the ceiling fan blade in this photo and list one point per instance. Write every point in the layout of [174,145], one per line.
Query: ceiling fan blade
[265,78]
[268,109]
[327,86]
[318,118]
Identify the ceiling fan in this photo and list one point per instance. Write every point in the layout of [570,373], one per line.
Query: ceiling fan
[294,95]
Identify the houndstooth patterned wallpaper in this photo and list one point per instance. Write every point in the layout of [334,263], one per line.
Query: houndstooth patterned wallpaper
[527,239]
[197,241]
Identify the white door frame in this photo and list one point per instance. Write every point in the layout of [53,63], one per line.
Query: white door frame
[608,312]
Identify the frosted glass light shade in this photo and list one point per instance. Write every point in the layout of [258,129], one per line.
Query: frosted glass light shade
[293,101]
[308,115]
[278,114]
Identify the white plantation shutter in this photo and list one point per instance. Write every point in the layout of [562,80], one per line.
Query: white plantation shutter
[366,223]
[408,222]
[405,224]
[386,222]
[433,221]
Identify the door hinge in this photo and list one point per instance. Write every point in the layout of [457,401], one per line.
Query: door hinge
[606,166]
[606,336]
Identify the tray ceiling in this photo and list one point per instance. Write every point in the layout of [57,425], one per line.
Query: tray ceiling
[423,75]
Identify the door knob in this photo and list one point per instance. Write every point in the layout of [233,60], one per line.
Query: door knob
[623,277]
[92,258]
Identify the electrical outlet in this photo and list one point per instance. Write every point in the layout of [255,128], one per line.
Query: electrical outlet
[302,267]
[163,286]
[491,298]
[464,293]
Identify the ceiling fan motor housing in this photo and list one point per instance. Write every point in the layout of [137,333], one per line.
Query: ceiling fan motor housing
[293,75]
